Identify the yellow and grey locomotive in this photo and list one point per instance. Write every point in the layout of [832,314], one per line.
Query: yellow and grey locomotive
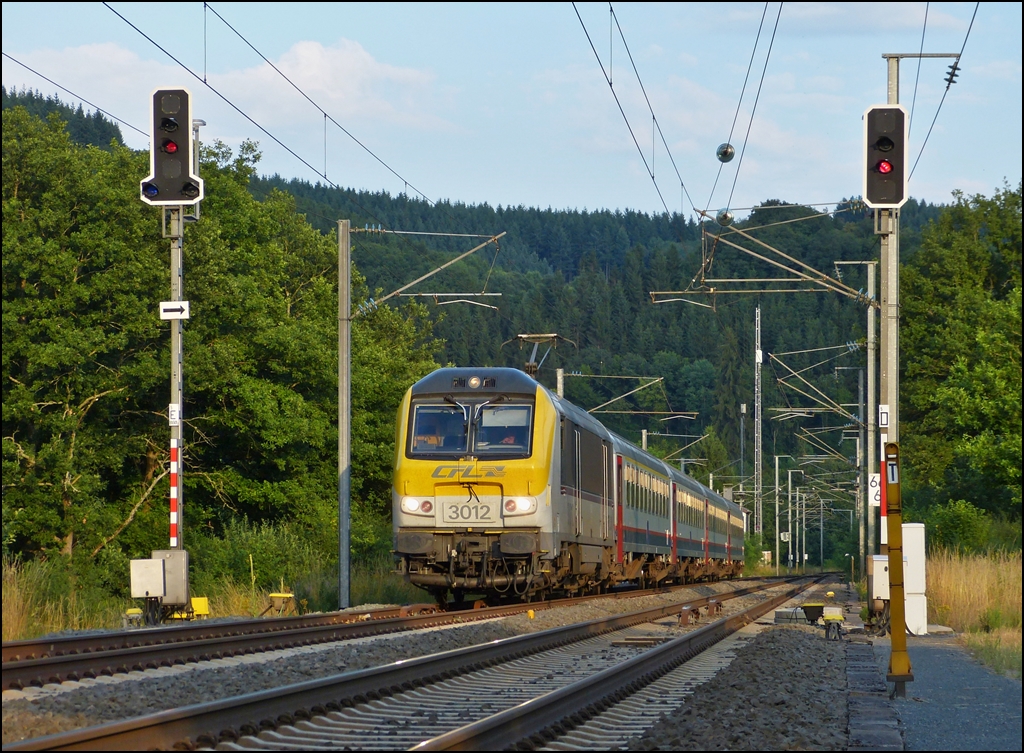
[503,488]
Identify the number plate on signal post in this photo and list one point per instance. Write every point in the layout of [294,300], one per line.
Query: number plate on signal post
[472,512]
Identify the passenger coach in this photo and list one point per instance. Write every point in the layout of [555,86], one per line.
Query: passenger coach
[503,488]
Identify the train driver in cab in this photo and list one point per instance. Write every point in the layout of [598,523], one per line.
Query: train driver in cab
[428,435]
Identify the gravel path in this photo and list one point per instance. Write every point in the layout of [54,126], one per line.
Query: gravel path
[748,707]
[87,703]
[955,703]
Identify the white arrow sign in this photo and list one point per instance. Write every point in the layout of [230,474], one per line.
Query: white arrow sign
[174,309]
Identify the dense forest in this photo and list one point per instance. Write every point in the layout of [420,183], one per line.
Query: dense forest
[85,128]
[85,356]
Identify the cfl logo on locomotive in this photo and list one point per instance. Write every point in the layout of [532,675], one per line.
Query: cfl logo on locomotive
[468,473]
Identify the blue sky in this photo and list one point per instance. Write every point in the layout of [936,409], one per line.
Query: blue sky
[506,104]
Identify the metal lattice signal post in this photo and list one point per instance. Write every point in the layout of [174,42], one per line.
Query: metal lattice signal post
[344,411]
[177,311]
[758,471]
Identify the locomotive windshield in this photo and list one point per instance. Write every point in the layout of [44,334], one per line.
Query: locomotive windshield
[438,430]
[498,430]
[503,430]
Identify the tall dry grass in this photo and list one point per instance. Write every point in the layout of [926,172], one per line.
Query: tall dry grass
[372,581]
[979,596]
[39,599]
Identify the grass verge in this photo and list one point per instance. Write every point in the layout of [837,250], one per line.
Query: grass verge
[40,598]
[979,596]
[43,597]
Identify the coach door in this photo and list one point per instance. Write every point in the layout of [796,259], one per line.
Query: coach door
[578,497]
[707,534]
[728,536]
[673,512]
[606,492]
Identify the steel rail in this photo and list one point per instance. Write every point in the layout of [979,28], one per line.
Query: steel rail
[536,722]
[37,662]
[40,648]
[207,724]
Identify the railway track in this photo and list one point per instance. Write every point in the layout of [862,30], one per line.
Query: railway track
[524,687]
[54,660]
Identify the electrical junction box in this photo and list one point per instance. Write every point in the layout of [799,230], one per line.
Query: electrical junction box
[147,579]
[175,576]
[917,613]
[915,577]
[914,554]
[879,580]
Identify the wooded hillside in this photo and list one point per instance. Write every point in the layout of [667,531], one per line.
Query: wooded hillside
[85,356]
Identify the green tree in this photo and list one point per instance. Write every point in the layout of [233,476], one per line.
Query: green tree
[85,357]
[80,370]
[961,339]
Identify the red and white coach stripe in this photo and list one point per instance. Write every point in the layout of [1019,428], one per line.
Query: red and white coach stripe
[174,493]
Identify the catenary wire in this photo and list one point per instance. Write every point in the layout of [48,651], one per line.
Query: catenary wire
[735,117]
[623,112]
[920,52]
[318,107]
[357,204]
[251,120]
[651,108]
[76,96]
[245,115]
[949,83]
[753,111]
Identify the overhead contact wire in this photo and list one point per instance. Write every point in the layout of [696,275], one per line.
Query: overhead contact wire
[621,111]
[736,116]
[318,107]
[949,83]
[753,111]
[920,52]
[245,115]
[76,96]
[651,108]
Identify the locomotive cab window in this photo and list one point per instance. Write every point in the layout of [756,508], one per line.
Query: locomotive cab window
[438,430]
[503,430]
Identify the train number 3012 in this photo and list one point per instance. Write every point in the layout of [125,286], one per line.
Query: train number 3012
[455,513]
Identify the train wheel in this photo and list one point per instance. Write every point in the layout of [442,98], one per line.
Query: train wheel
[441,597]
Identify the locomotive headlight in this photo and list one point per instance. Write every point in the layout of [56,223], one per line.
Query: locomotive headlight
[415,506]
[520,505]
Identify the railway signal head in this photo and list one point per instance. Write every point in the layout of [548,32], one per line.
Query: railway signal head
[885,156]
[172,179]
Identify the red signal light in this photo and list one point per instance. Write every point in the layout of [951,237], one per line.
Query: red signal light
[885,167]
[169,146]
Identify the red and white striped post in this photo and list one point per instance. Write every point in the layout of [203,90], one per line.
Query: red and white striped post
[177,311]
[175,482]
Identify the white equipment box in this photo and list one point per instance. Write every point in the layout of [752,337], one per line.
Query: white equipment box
[147,579]
[914,578]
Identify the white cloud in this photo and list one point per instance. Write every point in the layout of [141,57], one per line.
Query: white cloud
[344,79]
[863,18]
[110,76]
[1001,70]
